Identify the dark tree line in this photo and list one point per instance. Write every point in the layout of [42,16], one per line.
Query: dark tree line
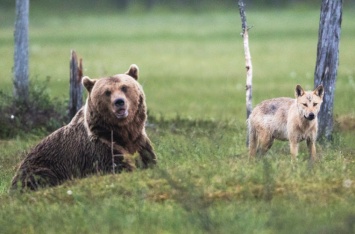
[168,4]
[195,4]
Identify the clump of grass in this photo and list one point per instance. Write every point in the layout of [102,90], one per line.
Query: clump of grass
[39,113]
[346,122]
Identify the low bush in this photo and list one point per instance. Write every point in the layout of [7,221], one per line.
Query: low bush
[39,113]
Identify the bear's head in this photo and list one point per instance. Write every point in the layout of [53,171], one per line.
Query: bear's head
[115,101]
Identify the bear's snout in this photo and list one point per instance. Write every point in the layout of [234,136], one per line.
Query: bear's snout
[120,108]
[119,102]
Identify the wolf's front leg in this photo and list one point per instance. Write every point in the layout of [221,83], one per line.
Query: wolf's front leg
[294,149]
[311,144]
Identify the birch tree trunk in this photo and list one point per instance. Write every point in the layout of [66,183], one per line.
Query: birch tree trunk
[327,62]
[20,79]
[248,64]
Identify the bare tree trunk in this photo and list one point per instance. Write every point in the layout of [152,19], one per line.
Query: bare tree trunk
[76,90]
[20,79]
[327,62]
[248,64]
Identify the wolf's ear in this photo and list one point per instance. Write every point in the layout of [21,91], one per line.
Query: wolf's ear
[319,91]
[133,71]
[299,91]
[88,83]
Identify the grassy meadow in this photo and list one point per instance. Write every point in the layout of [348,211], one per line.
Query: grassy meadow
[192,70]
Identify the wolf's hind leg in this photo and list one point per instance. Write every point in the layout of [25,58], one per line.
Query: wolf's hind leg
[253,143]
[265,142]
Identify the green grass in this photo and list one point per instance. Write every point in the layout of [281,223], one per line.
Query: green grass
[192,71]
[204,183]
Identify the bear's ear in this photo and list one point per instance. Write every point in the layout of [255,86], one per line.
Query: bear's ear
[133,71]
[88,83]
[299,91]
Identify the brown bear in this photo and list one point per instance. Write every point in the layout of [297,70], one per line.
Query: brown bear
[101,138]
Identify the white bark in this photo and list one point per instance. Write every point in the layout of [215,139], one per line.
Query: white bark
[249,69]
[248,64]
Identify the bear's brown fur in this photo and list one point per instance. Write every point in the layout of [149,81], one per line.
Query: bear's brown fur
[115,109]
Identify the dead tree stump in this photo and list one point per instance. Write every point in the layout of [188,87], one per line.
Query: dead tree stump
[76,90]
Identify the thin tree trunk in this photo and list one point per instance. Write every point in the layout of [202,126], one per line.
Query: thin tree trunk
[76,90]
[20,79]
[248,64]
[327,62]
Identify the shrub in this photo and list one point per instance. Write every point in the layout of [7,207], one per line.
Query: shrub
[40,113]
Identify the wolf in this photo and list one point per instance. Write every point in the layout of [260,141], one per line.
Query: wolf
[286,119]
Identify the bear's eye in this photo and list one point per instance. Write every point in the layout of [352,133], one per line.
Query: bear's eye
[124,89]
[107,93]
[305,104]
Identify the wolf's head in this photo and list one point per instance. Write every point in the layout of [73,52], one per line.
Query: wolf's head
[309,102]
